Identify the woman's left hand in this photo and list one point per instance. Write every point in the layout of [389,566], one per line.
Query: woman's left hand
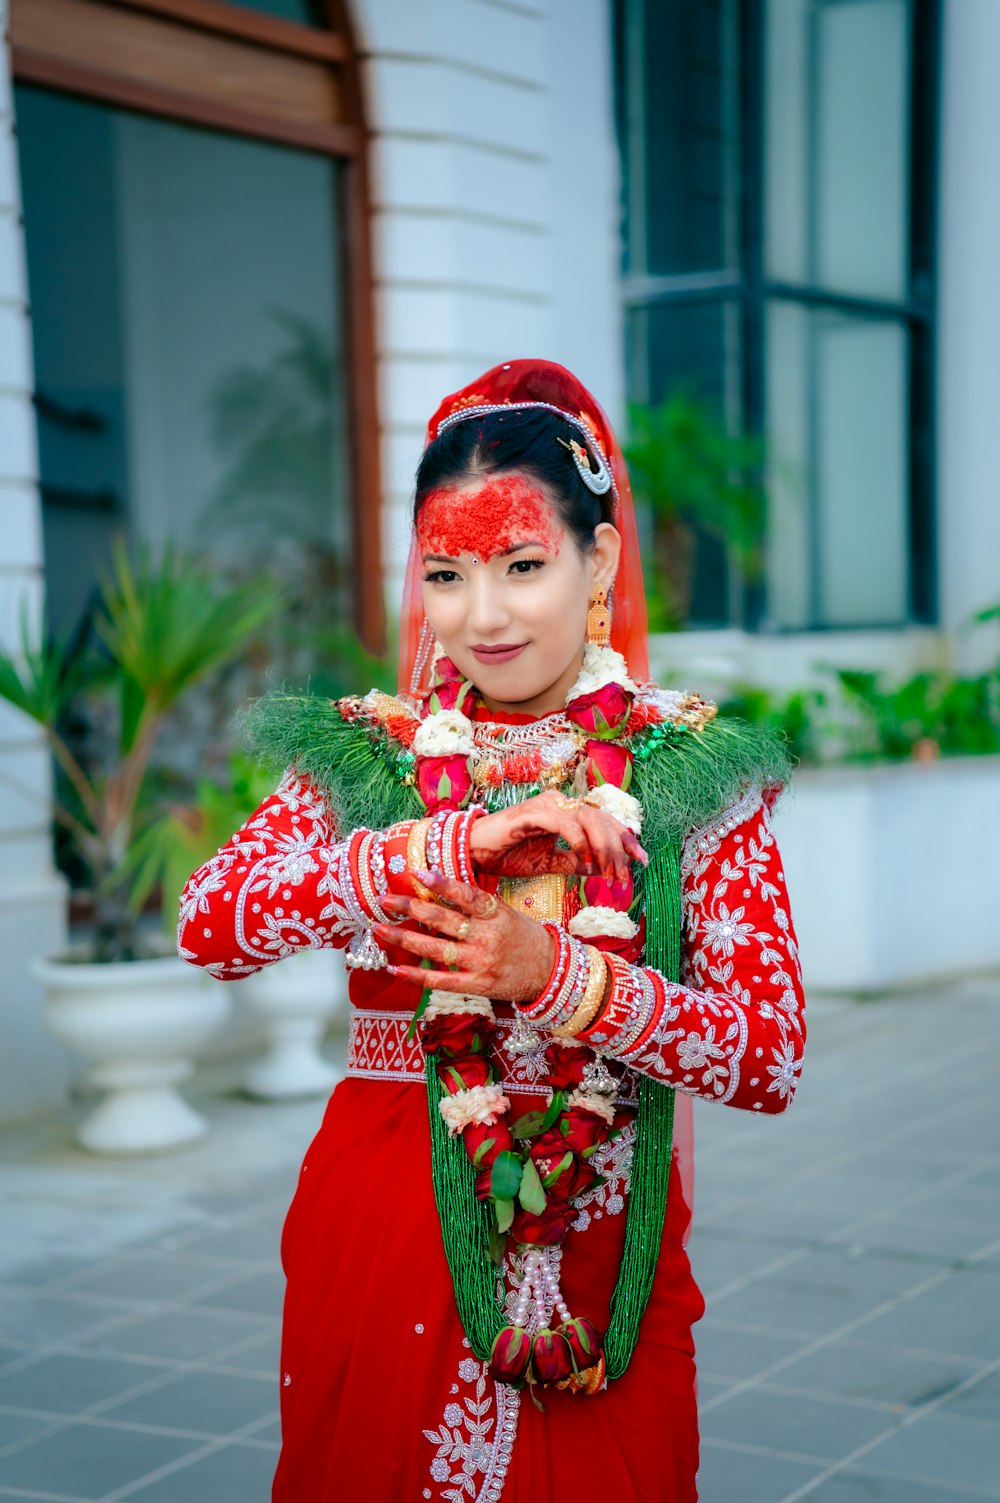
[497,952]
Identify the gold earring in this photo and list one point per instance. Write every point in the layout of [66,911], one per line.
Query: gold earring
[599,618]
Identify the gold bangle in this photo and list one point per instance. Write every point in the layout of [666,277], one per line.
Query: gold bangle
[416,856]
[592,997]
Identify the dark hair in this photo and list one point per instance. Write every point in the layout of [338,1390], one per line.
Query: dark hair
[526,440]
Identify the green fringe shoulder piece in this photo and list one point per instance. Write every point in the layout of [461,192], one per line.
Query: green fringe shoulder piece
[358,767]
[682,776]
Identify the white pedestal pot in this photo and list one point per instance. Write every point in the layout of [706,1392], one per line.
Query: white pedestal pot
[296,998]
[140,1022]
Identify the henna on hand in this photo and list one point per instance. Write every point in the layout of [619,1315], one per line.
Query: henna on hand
[504,955]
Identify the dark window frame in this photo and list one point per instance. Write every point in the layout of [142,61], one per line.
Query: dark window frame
[752,289]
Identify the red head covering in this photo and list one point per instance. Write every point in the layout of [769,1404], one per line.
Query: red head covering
[519,384]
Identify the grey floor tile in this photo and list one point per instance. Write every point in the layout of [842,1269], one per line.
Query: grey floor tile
[960,1315]
[66,1383]
[737,1476]
[851,1486]
[260,1294]
[153,1277]
[18,1427]
[819,1292]
[212,1403]
[935,1240]
[980,1400]
[43,1319]
[9,1354]
[881,1374]
[234,1474]
[820,1428]
[253,1241]
[184,1335]
[88,1460]
[261,1355]
[941,1448]
[723,1352]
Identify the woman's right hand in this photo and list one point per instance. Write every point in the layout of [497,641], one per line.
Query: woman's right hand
[521,841]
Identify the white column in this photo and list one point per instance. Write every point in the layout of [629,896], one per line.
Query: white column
[33,1069]
[969,313]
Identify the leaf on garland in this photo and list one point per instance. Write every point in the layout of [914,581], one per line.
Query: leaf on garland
[529,1125]
[531,1195]
[563,1164]
[482,1151]
[505,1176]
[555,1106]
[505,1215]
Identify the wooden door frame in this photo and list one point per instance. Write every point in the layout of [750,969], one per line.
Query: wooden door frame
[345,139]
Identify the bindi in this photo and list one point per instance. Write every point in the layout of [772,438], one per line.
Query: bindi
[500,515]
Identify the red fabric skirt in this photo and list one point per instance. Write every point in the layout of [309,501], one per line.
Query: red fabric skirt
[382,1398]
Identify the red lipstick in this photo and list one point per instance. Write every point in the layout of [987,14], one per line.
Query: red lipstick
[505,652]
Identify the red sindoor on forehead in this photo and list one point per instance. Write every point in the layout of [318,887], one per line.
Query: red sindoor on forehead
[502,513]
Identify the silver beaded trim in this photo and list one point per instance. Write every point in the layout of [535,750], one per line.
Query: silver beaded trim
[484,409]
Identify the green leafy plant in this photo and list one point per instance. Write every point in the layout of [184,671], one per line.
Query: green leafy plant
[160,627]
[695,476]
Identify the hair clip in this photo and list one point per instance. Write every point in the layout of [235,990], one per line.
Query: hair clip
[599,480]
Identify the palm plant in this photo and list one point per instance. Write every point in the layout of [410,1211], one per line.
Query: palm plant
[162,627]
[694,475]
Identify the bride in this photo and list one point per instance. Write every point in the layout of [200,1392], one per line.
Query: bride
[565,916]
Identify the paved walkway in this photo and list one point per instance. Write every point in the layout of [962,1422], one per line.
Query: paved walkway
[850,1253]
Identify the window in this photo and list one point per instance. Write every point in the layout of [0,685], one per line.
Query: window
[195,222]
[779,187]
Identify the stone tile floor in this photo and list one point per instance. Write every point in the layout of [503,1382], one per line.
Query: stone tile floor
[849,1252]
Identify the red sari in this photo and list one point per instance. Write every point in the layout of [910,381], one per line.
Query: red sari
[381,1396]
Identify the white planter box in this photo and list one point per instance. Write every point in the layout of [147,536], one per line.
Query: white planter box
[893,871]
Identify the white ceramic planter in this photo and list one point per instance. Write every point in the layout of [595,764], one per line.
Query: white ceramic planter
[296,999]
[140,1023]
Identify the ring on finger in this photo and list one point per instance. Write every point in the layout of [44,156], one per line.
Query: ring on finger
[567,803]
[464,929]
[491,905]
[450,953]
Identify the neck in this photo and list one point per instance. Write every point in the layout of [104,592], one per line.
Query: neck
[548,702]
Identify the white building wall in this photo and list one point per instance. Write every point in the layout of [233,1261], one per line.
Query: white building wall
[495,220]
[33,1069]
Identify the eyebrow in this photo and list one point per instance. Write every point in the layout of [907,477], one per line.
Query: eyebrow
[447,558]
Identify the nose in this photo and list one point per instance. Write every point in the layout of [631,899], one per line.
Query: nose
[488,614]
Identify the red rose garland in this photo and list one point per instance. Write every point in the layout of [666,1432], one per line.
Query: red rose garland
[532,1170]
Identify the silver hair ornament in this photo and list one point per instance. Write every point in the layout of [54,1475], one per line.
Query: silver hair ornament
[599,480]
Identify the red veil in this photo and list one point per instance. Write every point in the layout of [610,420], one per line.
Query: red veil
[519,384]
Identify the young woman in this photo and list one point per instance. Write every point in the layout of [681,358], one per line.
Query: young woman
[566,916]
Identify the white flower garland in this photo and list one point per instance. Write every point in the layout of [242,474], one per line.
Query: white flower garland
[596,921]
[591,1101]
[619,804]
[446,734]
[601,665]
[447,1004]
[481,1103]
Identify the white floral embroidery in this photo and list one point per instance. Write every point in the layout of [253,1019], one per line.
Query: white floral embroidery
[475,1438]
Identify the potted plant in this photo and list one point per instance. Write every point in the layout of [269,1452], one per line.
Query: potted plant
[122,997]
[694,475]
[295,1001]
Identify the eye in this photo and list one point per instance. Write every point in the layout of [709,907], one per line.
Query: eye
[440,576]
[527,565]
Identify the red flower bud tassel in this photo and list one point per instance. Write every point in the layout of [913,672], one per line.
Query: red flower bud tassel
[510,1355]
[551,1358]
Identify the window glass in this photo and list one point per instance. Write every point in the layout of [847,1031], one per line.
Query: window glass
[682,132]
[837,403]
[695,347]
[188,350]
[837,123]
